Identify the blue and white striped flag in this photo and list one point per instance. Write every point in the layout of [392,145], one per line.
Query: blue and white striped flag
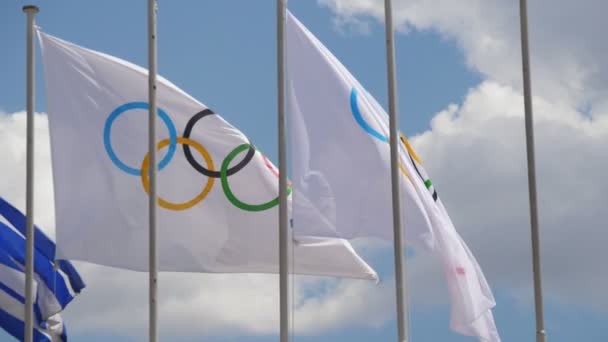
[56,283]
[12,304]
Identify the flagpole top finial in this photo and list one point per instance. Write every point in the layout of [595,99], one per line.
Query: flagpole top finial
[30,9]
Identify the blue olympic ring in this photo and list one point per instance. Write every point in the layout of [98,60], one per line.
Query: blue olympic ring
[354,107]
[138,105]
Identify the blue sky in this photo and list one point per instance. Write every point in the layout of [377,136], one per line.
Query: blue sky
[223,54]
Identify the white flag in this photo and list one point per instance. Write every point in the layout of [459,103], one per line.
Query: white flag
[341,176]
[218,194]
[339,151]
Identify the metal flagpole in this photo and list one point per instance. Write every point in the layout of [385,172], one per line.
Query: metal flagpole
[400,262]
[283,220]
[538,291]
[29,183]
[153,261]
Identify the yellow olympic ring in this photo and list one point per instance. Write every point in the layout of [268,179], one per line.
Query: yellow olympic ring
[410,149]
[412,153]
[189,204]
[401,167]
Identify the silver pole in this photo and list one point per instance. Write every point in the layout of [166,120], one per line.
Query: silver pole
[29,182]
[538,291]
[283,220]
[400,264]
[153,262]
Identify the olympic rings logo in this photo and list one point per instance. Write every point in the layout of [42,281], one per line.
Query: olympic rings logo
[188,144]
[354,106]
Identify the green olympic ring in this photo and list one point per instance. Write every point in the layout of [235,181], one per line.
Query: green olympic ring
[226,187]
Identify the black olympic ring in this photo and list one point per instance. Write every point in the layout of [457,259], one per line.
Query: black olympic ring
[198,167]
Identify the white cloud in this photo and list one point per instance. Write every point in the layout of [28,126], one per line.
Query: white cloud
[568,61]
[12,164]
[476,155]
[215,304]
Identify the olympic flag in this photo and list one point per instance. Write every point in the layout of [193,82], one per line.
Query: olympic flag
[341,176]
[218,194]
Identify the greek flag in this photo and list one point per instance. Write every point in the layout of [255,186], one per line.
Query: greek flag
[56,283]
